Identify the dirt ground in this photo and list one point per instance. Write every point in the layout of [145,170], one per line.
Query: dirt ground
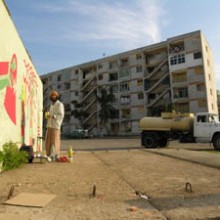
[117,170]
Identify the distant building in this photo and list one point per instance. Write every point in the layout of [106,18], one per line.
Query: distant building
[175,74]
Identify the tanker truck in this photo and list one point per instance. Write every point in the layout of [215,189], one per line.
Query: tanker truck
[187,128]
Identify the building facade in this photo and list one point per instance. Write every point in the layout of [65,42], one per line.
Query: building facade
[21,89]
[176,74]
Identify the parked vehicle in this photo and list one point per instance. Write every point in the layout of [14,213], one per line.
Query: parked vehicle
[201,128]
[80,133]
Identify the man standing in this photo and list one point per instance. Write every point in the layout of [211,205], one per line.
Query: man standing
[54,120]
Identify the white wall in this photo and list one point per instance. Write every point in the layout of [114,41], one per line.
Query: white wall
[21,92]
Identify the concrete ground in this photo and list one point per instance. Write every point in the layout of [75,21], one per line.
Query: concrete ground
[118,168]
[192,152]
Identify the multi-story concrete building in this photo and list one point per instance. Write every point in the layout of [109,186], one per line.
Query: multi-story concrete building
[175,74]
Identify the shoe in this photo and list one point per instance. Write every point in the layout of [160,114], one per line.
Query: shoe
[48,159]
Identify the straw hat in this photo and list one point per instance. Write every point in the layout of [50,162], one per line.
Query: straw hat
[54,93]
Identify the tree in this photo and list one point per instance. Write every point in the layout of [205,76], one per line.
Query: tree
[79,112]
[107,111]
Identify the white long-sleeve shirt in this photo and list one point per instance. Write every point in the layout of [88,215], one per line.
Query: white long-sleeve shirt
[56,115]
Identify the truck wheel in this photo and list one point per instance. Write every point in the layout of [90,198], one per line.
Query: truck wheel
[163,142]
[150,141]
[216,142]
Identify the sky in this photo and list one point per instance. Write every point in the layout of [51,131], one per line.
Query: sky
[63,33]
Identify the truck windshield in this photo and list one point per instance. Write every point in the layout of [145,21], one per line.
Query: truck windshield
[207,118]
[213,118]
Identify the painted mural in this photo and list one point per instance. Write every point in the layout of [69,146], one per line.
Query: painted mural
[21,92]
[8,72]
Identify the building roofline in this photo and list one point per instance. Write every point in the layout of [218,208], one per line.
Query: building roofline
[183,35]
[126,53]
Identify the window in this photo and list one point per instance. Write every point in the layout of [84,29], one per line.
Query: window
[76,93]
[76,72]
[126,126]
[181,93]
[125,99]
[197,55]
[138,56]
[180,77]
[100,77]
[124,72]
[59,78]
[201,118]
[67,85]
[139,82]
[124,61]
[125,113]
[201,103]
[200,87]
[177,59]
[181,58]
[176,48]
[112,64]
[138,69]
[141,109]
[140,95]
[198,70]
[124,86]
[59,86]
[209,77]
[100,66]
[210,91]
[113,76]
[182,107]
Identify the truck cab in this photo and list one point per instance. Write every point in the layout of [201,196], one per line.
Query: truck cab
[206,128]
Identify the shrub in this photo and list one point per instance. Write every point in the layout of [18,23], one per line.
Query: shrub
[12,157]
[1,160]
[1,156]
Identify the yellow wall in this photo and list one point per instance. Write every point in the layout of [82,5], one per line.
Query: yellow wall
[21,92]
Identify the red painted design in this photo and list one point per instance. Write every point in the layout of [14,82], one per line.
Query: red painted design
[31,87]
[10,95]
[3,68]
[31,141]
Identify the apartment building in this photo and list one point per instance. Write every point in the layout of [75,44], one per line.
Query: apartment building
[176,74]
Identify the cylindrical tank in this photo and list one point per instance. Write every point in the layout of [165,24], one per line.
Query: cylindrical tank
[167,121]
